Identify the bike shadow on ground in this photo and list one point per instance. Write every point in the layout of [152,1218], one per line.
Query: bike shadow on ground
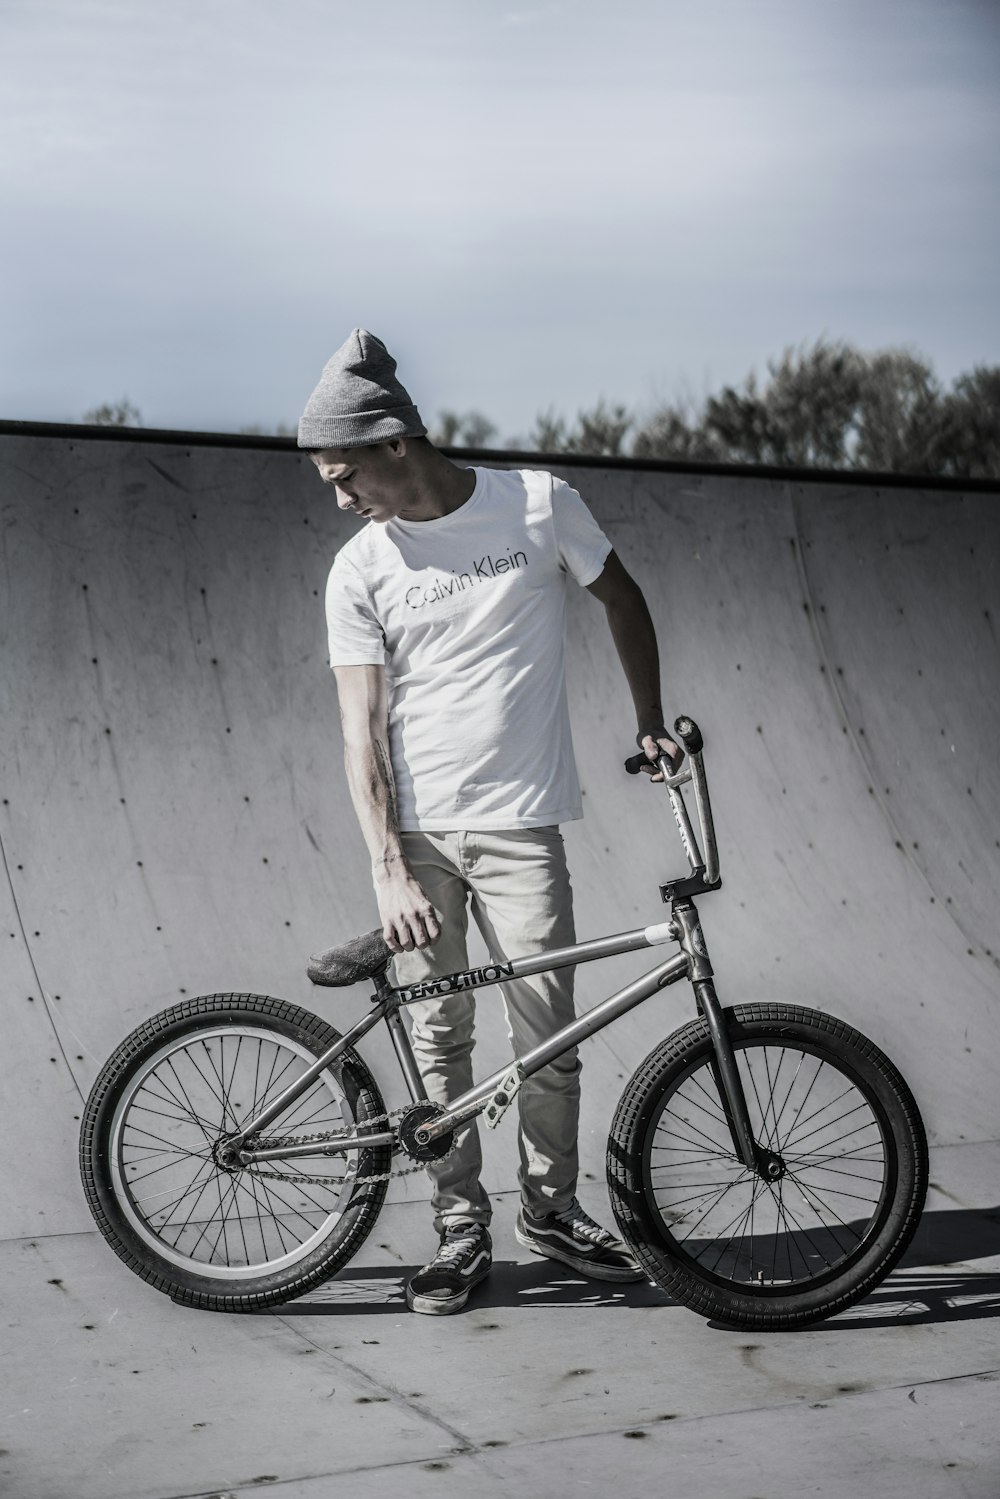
[935,1281]
[382,1288]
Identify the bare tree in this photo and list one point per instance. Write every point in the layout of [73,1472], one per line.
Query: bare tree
[451,430]
[967,431]
[114,414]
[833,406]
[549,433]
[280,429]
[601,430]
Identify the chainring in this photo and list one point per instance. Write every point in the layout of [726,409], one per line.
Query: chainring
[416,1118]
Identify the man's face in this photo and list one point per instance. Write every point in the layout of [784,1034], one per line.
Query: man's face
[369,481]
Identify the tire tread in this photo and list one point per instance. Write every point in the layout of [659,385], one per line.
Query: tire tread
[678,1280]
[139,1258]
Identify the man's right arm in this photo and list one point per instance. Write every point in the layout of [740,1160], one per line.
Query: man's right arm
[408,918]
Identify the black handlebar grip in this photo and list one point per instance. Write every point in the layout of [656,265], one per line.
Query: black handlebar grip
[689,734]
[635,763]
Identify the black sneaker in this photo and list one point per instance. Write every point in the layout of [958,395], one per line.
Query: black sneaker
[577,1240]
[462,1261]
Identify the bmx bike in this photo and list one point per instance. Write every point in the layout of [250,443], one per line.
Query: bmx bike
[766,1164]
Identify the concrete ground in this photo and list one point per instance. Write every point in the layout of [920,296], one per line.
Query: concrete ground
[547,1384]
[174,821]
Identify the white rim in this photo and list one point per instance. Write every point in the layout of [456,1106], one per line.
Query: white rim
[123,1189]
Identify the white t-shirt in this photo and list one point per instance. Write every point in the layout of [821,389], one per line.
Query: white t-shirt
[467,614]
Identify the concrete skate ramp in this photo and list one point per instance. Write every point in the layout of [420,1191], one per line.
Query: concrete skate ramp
[175,818]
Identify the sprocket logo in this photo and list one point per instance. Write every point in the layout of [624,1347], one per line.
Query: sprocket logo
[491,973]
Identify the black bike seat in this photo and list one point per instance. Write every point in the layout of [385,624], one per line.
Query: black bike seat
[361,958]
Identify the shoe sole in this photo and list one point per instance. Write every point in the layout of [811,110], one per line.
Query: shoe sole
[585,1267]
[433,1306]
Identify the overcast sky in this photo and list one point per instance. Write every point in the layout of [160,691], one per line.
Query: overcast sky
[533,204]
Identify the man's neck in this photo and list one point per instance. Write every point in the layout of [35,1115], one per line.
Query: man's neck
[440,487]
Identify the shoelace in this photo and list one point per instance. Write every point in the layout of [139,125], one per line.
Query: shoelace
[453,1248]
[583,1225]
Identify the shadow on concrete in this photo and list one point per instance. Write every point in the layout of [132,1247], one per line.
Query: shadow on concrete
[914,1294]
[382,1289]
[911,1294]
[912,1299]
[954,1236]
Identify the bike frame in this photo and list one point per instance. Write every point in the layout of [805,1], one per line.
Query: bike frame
[493,1095]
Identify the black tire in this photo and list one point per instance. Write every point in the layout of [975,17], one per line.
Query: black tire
[211,1238]
[731,1246]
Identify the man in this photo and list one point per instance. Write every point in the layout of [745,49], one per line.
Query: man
[445,617]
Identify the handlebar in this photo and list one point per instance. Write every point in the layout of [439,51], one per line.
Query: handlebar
[689,735]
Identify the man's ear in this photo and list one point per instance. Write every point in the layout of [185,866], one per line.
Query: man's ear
[397,446]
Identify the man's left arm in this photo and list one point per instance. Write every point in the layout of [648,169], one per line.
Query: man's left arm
[635,641]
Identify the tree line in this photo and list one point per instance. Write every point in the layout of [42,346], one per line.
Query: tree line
[829,406]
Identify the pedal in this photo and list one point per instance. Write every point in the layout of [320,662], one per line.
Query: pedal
[507,1090]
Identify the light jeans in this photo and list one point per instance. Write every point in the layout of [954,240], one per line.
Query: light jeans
[520,894]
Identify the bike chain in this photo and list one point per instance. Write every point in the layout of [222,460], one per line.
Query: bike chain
[277,1142]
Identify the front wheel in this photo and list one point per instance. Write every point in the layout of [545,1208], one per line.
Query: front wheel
[212,1235]
[849,1187]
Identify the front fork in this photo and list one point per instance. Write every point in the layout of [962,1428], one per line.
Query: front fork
[756,1157]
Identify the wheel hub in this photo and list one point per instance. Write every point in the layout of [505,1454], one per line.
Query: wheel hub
[770,1166]
[226,1155]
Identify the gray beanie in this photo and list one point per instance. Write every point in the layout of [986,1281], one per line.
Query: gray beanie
[358,401]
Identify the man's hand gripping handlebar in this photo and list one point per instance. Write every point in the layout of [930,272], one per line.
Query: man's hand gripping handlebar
[704,868]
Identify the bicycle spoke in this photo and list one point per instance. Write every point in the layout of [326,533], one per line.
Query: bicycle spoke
[143,1108]
[275,1219]
[300,1186]
[710,1188]
[739,1223]
[202,1214]
[760,1107]
[276,1084]
[820,1207]
[196,1185]
[824,1164]
[713,1100]
[164,1166]
[790,1216]
[184,1094]
[716,1115]
[705,1139]
[271,1189]
[295,1122]
[808,1093]
[219,1095]
[788,1094]
[735,1223]
[135,1129]
[184,1109]
[230,1190]
[772,1129]
[854,1129]
[696,1155]
[834,1191]
[711,1207]
[829,1124]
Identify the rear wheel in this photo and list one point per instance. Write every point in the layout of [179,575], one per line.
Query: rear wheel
[851,1175]
[212,1235]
